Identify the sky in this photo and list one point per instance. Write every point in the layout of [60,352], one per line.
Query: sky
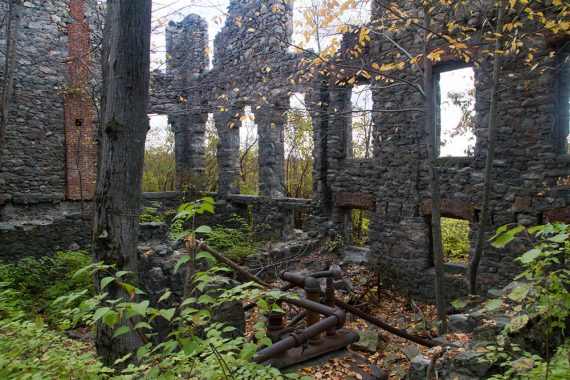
[214,12]
[454,81]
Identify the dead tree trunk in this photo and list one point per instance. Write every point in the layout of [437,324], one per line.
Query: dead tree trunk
[430,130]
[126,62]
[485,208]
[12,35]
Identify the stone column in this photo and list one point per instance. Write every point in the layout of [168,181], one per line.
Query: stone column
[270,129]
[340,135]
[317,101]
[189,148]
[339,147]
[227,125]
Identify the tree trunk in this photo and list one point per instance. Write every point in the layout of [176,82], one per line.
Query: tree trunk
[485,209]
[12,36]
[126,62]
[430,129]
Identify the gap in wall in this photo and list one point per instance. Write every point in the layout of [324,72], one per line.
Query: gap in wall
[456,89]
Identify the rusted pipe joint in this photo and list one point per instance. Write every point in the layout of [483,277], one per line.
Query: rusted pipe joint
[340,316]
[334,273]
[310,284]
[300,338]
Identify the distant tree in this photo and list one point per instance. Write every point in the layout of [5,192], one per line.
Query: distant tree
[248,155]
[211,168]
[465,102]
[159,163]
[298,155]
[124,124]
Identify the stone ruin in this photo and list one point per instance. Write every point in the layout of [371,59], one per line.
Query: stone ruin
[47,177]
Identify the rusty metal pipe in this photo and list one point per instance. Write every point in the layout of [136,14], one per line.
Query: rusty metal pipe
[330,300]
[336,274]
[296,339]
[296,319]
[343,305]
[308,283]
[319,308]
[385,326]
[313,317]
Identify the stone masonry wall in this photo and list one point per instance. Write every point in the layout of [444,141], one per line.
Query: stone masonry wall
[253,66]
[528,163]
[41,153]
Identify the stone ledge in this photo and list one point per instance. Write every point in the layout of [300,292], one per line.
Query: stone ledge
[161,195]
[453,161]
[457,268]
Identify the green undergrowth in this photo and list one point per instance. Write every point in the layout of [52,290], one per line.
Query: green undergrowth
[39,281]
[29,349]
[152,214]
[455,240]
[235,243]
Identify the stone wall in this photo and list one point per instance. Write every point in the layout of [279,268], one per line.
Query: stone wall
[50,132]
[527,165]
[253,66]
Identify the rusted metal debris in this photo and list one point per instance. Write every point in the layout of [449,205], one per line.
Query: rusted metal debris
[320,336]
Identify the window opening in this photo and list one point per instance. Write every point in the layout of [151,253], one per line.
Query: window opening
[361,100]
[455,240]
[248,153]
[456,89]
[360,225]
[298,150]
[159,172]
[210,154]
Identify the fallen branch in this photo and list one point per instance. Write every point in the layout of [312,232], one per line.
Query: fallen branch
[430,373]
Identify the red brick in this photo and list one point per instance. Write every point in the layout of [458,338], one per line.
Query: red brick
[80,141]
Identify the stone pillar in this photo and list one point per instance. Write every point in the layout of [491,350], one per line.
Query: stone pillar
[270,129]
[187,58]
[186,48]
[317,101]
[340,135]
[189,148]
[339,146]
[227,125]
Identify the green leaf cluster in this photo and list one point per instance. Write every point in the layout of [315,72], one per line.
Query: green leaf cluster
[543,298]
[198,347]
[39,281]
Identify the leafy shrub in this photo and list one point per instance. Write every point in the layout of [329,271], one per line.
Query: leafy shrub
[150,214]
[198,347]
[29,350]
[455,240]
[39,281]
[235,243]
[542,299]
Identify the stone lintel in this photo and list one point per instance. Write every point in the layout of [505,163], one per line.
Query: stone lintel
[561,214]
[453,208]
[354,200]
